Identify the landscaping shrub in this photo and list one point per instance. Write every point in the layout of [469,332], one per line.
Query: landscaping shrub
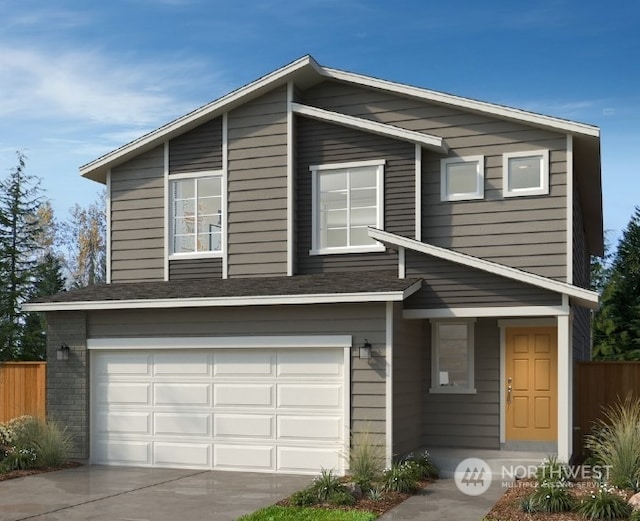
[326,485]
[52,445]
[616,442]
[605,504]
[551,471]
[421,465]
[366,459]
[401,478]
[549,497]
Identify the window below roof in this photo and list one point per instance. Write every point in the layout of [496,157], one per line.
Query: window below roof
[195,218]
[462,178]
[452,358]
[525,173]
[347,198]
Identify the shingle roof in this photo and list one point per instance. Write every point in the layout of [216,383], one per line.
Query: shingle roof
[338,284]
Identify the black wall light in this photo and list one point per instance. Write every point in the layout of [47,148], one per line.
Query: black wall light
[63,352]
[365,350]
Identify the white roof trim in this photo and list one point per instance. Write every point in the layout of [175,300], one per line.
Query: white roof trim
[585,297]
[497,311]
[200,112]
[270,300]
[432,142]
[502,111]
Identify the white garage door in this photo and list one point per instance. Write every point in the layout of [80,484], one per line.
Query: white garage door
[268,410]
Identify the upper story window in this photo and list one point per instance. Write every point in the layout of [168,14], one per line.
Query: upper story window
[347,199]
[452,358]
[525,173]
[196,213]
[462,178]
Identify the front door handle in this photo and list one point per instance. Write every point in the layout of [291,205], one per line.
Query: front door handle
[509,389]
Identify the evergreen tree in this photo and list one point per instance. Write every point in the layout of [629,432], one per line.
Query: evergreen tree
[617,323]
[19,201]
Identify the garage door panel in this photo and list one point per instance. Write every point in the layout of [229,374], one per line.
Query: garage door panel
[124,452]
[244,457]
[182,454]
[308,460]
[244,363]
[179,364]
[322,396]
[182,424]
[313,363]
[135,423]
[124,393]
[321,428]
[243,395]
[124,364]
[243,426]
[182,394]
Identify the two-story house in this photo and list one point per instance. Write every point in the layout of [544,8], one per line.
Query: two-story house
[321,252]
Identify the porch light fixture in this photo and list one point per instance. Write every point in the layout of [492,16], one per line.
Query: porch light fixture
[365,350]
[63,352]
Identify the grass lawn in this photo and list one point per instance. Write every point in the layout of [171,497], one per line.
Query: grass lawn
[281,513]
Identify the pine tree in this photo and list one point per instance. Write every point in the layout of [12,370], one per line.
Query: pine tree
[19,201]
[617,323]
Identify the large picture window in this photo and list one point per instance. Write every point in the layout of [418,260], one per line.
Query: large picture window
[196,214]
[347,199]
[452,358]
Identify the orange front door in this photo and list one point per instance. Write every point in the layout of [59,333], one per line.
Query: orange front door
[531,383]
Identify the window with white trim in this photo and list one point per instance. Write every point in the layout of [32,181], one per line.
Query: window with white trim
[347,198]
[462,178]
[195,219]
[452,359]
[525,173]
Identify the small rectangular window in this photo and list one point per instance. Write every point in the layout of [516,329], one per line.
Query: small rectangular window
[196,214]
[462,178]
[347,199]
[525,173]
[452,357]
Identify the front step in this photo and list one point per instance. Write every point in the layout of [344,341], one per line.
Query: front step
[504,465]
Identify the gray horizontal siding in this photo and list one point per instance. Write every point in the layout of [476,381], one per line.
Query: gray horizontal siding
[447,284]
[467,420]
[257,187]
[463,225]
[181,269]
[408,382]
[137,218]
[197,150]
[361,321]
[321,143]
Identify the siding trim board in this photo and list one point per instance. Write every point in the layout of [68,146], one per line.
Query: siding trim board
[585,297]
[108,212]
[434,143]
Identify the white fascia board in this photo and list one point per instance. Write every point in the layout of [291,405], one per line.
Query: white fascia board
[431,142]
[209,109]
[493,109]
[584,297]
[483,312]
[271,300]
[233,342]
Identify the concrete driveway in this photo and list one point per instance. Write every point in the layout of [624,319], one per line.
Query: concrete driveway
[138,494]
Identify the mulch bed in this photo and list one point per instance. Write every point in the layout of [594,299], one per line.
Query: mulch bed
[379,507]
[30,472]
[508,508]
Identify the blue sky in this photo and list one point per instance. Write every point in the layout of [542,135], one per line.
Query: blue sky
[78,78]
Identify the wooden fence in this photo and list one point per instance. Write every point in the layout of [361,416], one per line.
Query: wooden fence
[599,384]
[22,389]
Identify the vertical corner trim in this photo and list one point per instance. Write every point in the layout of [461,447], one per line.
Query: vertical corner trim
[167,224]
[418,193]
[225,195]
[570,203]
[402,268]
[290,181]
[389,383]
[108,237]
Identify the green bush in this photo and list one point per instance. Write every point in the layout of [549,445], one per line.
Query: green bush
[551,471]
[341,498]
[326,484]
[605,504]
[635,516]
[549,497]
[366,459]
[421,465]
[52,445]
[616,442]
[401,478]
[303,498]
